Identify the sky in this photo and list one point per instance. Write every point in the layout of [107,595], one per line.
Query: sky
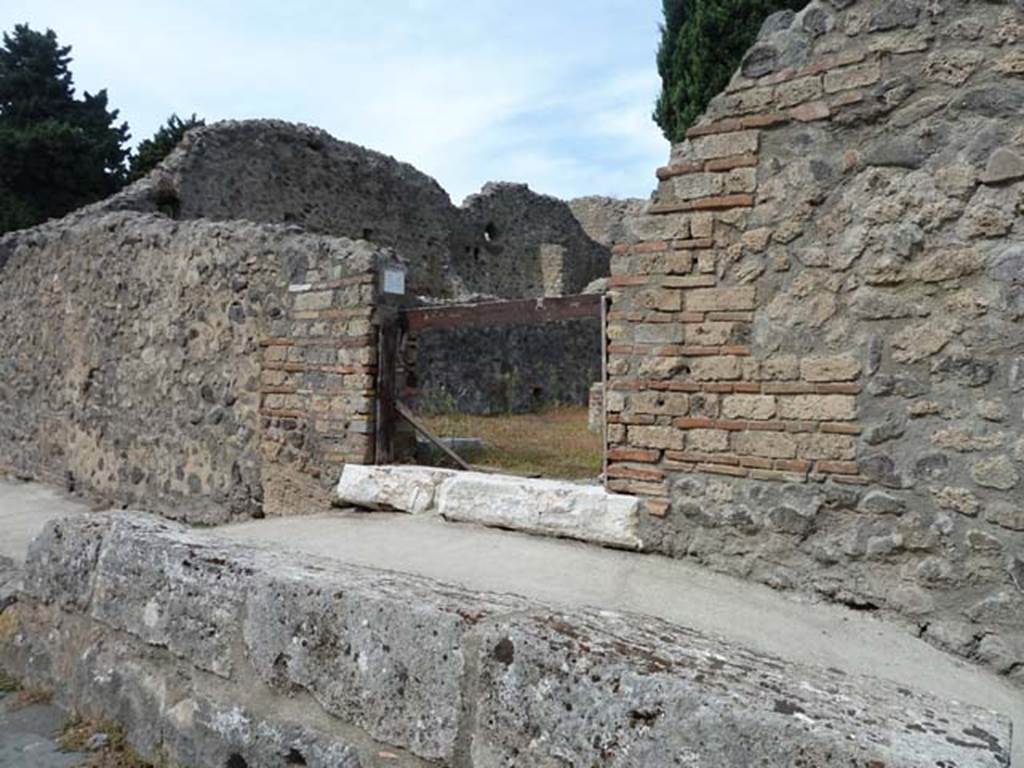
[554,93]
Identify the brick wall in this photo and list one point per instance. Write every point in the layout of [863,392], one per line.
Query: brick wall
[688,392]
[317,383]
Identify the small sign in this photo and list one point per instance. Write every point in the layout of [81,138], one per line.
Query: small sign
[394,281]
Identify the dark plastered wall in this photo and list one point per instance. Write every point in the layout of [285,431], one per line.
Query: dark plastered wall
[507,368]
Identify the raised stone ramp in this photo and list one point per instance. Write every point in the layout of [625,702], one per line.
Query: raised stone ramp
[546,507]
[219,653]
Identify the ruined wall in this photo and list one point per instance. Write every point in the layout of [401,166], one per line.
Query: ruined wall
[532,246]
[148,361]
[817,356]
[607,220]
[281,173]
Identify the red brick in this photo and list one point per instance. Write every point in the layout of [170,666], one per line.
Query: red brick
[731,317]
[722,126]
[690,457]
[793,465]
[694,244]
[841,429]
[650,246]
[729,163]
[634,454]
[766,120]
[838,389]
[629,472]
[718,469]
[678,169]
[789,389]
[837,467]
[694,423]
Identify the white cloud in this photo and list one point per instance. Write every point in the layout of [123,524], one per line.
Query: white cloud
[555,94]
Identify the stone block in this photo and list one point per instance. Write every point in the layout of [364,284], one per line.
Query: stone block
[398,488]
[549,507]
[828,369]
[818,408]
[770,445]
[660,403]
[707,440]
[858,76]
[381,651]
[725,145]
[721,299]
[663,438]
[715,368]
[621,691]
[757,407]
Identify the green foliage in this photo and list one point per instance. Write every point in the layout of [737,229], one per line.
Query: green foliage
[151,151]
[57,153]
[702,44]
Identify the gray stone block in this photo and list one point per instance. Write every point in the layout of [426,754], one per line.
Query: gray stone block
[596,689]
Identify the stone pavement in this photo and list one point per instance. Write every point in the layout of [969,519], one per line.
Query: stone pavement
[28,737]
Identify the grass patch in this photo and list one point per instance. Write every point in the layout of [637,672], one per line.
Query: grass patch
[28,697]
[555,443]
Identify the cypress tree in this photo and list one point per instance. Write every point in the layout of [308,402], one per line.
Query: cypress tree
[57,153]
[702,44]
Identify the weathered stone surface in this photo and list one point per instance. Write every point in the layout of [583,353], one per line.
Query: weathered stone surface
[541,506]
[400,488]
[161,402]
[387,653]
[1004,165]
[996,472]
[584,665]
[351,667]
[884,251]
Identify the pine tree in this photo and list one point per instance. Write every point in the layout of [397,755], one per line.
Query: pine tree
[153,150]
[57,152]
[702,44]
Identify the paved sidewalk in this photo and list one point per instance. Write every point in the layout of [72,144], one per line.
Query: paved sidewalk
[574,574]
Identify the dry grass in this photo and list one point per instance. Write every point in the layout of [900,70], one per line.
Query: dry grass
[8,624]
[28,697]
[115,754]
[555,443]
[7,683]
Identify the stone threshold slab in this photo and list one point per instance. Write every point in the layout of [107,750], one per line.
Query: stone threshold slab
[545,507]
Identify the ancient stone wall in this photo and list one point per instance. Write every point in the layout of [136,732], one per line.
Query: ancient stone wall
[148,361]
[532,246]
[282,173]
[816,348]
[607,220]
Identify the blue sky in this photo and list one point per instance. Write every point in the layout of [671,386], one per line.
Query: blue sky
[557,94]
